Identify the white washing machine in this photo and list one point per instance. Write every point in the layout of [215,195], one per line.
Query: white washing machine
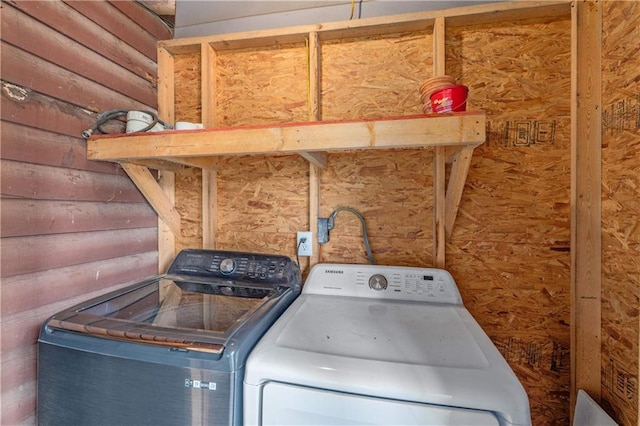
[380,345]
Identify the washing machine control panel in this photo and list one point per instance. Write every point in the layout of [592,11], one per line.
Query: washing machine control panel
[383,282]
[235,266]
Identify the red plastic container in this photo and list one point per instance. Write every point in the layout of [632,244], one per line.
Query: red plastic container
[450,99]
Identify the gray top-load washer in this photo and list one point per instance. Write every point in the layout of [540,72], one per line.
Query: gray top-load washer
[169,350]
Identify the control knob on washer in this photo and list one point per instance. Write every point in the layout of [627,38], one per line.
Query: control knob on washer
[378,282]
[227,266]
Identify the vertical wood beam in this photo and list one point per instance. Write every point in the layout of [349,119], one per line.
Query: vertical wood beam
[314,56]
[439,47]
[439,157]
[208,84]
[318,159]
[208,117]
[166,86]
[209,208]
[586,171]
[166,112]
[166,238]
[314,76]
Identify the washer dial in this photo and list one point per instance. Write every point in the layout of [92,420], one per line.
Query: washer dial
[227,266]
[378,282]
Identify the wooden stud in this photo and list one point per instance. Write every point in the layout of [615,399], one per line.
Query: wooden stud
[439,47]
[314,76]
[318,159]
[209,208]
[439,239]
[314,166]
[166,237]
[586,170]
[166,112]
[166,86]
[208,85]
[439,205]
[209,177]
[314,210]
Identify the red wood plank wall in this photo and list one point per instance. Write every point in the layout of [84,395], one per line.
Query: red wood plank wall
[70,228]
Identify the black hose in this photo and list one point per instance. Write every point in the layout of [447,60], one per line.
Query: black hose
[112,114]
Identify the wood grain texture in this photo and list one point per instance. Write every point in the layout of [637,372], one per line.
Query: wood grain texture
[509,249]
[21,105]
[155,26]
[25,144]
[415,131]
[376,76]
[24,180]
[58,251]
[26,70]
[22,292]
[586,201]
[42,41]
[71,228]
[22,217]
[75,25]
[620,211]
[104,15]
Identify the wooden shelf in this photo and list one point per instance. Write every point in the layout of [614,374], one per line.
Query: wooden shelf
[171,150]
[164,150]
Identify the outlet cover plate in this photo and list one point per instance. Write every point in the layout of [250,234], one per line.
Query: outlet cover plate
[306,248]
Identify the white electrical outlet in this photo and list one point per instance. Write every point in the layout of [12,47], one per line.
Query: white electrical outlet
[305,248]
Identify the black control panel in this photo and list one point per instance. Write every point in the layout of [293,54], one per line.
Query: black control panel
[236,266]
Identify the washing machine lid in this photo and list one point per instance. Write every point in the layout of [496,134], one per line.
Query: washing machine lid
[163,313]
[379,330]
[206,298]
[392,348]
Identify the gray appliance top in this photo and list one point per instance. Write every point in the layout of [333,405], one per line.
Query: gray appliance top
[202,302]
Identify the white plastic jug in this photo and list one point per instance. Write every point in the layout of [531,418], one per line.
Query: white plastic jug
[589,413]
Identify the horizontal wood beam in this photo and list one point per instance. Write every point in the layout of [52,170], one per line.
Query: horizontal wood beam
[407,22]
[401,132]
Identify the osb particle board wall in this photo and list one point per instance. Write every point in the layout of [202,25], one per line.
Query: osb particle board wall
[510,248]
[621,209]
[511,244]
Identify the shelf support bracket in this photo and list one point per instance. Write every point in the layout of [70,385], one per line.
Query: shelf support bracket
[318,159]
[457,178]
[154,194]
